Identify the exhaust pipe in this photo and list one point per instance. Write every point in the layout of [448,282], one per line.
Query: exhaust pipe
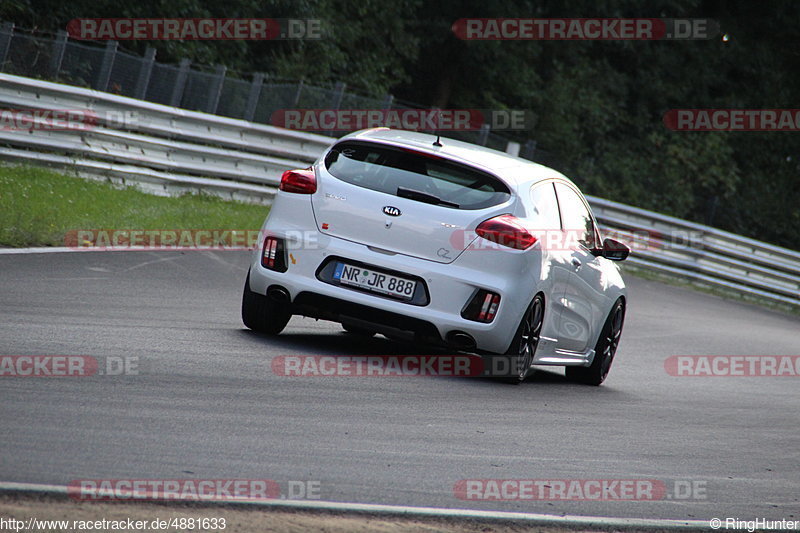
[461,341]
[278,294]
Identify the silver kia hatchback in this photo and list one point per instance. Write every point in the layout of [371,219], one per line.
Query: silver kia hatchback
[442,242]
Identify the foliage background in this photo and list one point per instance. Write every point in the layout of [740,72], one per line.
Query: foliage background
[599,104]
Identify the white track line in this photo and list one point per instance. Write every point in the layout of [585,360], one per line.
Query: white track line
[433,512]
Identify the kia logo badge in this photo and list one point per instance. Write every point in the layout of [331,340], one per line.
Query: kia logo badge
[391,211]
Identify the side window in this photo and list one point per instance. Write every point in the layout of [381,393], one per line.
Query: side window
[545,207]
[575,216]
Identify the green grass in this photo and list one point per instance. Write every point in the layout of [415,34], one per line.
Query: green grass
[39,206]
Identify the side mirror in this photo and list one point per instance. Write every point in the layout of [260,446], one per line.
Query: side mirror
[615,250]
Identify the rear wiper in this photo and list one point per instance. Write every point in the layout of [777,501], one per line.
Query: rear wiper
[420,196]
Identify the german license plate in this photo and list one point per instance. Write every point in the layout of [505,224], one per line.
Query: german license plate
[374,281]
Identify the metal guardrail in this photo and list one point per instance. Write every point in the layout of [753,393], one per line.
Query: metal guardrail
[134,140]
[209,89]
[704,254]
[142,142]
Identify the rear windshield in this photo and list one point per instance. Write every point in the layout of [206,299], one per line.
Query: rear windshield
[415,175]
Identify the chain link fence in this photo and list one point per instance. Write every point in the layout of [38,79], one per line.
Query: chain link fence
[200,88]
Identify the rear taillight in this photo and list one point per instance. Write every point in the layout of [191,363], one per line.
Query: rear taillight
[482,307]
[273,255]
[299,181]
[507,231]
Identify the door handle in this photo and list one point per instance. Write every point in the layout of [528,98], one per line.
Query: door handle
[576,263]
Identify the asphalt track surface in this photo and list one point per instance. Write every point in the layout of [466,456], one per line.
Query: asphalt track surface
[206,404]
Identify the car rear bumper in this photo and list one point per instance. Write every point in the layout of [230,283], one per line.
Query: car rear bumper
[450,287]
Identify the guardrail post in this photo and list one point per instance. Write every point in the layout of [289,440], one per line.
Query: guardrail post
[711,211]
[339,95]
[388,101]
[215,90]
[104,75]
[512,148]
[180,83]
[57,57]
[252,98]
[529,149]
[297,94]
[483,134]
[6,33]
[145,71]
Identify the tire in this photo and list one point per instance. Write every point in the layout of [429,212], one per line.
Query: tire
[355,330]
[526,340]
[605,349]
[261,314]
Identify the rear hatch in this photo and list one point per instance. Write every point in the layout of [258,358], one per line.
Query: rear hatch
[404,201]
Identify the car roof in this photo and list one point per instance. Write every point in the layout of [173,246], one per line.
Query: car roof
[513,170]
